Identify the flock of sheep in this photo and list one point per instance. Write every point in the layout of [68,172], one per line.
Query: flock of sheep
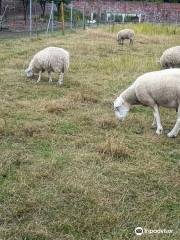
[154,89]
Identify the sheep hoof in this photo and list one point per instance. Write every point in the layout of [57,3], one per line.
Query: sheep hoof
[159,131]
[60,83]
[171,135]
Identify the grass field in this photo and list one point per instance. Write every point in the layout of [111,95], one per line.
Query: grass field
[68,169]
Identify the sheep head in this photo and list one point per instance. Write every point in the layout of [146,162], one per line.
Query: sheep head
[29,72]
[121,108]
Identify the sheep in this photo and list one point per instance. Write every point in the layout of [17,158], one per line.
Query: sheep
[154,89]
[125,34]
[170,58]
[50,59]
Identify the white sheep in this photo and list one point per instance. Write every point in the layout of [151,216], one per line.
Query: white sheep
[50,59]
[125,34]
[170,58]
[154,89]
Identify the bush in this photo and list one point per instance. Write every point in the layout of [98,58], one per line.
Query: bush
[131,19]
[118,18]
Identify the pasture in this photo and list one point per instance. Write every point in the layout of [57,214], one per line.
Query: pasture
[68,169]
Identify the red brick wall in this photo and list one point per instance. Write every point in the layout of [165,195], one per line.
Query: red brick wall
[162,11]
[169,12]
[14,6]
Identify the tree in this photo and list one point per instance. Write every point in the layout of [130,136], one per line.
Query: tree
[25,6]
[60,8]
[43,6]
[58,4]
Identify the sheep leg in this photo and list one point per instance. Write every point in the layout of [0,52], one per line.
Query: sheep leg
[154,124]
[61,78]
[50,77]
[39,78]
[158,120]
[176,128]
[131,42]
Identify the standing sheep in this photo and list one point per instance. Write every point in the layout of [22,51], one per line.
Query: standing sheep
[50,59]
[125,34]
[170,58]
[154,89]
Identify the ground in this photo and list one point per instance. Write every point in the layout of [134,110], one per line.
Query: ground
[68,169]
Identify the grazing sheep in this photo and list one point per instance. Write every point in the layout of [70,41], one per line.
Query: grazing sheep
[154,89]
[125,34]
[50,59]
[170,58]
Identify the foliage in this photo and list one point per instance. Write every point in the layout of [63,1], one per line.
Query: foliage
[25,5]
[77,14]
[59,1]
[43,6]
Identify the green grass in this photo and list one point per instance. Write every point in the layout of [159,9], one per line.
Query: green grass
[68,169]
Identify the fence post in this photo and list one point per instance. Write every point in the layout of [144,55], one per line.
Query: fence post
[84,24]
[71,16]
[62,16]
[30,18]
[52,17]
[123,18]
[36,21]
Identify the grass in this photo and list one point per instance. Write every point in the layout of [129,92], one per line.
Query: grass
[68,169]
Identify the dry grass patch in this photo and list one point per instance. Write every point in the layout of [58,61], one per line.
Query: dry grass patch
[83,97]
[46,105]
[2,125]
[31,129]
[114,148]
[142,39]
[106,122]
[69,102]
[98,34]
[57,107]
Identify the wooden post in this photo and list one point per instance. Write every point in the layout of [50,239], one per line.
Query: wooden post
[84,23]
[62,17]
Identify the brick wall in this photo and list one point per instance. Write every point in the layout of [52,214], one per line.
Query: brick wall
[163,12]
[13,5]
[169,12]
[16,9]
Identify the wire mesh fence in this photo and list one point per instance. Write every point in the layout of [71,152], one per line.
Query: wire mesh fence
[14,20]
[17,19]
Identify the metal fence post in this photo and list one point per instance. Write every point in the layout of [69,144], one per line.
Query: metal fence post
[52,17]
[30,18]
[71,16]
[62,17]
